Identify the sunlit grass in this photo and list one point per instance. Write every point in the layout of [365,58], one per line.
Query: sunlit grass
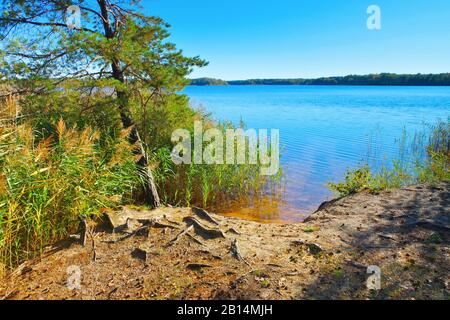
[46,185]
[425,158]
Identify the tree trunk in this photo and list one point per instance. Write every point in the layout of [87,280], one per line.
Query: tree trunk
[151,193]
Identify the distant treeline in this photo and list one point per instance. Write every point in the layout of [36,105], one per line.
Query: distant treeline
[382,79]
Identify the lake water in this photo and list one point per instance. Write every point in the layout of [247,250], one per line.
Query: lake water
[324,130]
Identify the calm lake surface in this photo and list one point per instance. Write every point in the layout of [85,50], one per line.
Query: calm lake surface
[324,130]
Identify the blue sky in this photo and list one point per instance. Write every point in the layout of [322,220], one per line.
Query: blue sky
[245,39]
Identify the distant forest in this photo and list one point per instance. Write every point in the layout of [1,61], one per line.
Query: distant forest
[382,79]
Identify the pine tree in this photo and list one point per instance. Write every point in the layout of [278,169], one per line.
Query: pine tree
[114,46]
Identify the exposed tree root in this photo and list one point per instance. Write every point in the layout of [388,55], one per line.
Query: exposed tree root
[203,214]
[159,224]
[195,239]
[179,236]
[204,231]
[234,231]
[236,252]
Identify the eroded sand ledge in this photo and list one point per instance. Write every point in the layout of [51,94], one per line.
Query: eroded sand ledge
[181,253]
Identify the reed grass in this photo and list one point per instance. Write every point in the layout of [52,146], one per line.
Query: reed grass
[47,184]
[423,157]
[209,186]
[212,186]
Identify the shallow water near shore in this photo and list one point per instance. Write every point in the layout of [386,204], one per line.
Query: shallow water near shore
[324,130]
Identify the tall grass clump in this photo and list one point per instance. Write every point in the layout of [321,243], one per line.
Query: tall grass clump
[47,184]
[425,158]
[213,186]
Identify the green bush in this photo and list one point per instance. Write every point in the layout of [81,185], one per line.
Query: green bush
[355,181]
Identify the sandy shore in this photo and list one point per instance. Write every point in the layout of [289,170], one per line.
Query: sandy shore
[181,253]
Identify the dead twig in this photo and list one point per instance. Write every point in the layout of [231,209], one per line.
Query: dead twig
[9,295]
[94,256]
[84,231]
[387,236]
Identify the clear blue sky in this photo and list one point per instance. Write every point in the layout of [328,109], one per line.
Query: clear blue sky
[245,39]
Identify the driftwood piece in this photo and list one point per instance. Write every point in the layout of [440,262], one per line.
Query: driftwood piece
[75,237]
[132,225]
[115,220]
[356,264]
[386,236]
[203,214]
[299,242]
[171,221]
[9,295]
[203,231]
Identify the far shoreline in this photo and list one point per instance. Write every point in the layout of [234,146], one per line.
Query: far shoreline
[316,85]
[383,79]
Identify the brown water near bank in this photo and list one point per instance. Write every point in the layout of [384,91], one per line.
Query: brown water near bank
[265,210]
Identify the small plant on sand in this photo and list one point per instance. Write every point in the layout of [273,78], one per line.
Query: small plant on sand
[355,181]
[434,238]
[310,229]
[265,283]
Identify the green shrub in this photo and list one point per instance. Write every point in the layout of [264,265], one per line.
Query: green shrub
[355,181]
